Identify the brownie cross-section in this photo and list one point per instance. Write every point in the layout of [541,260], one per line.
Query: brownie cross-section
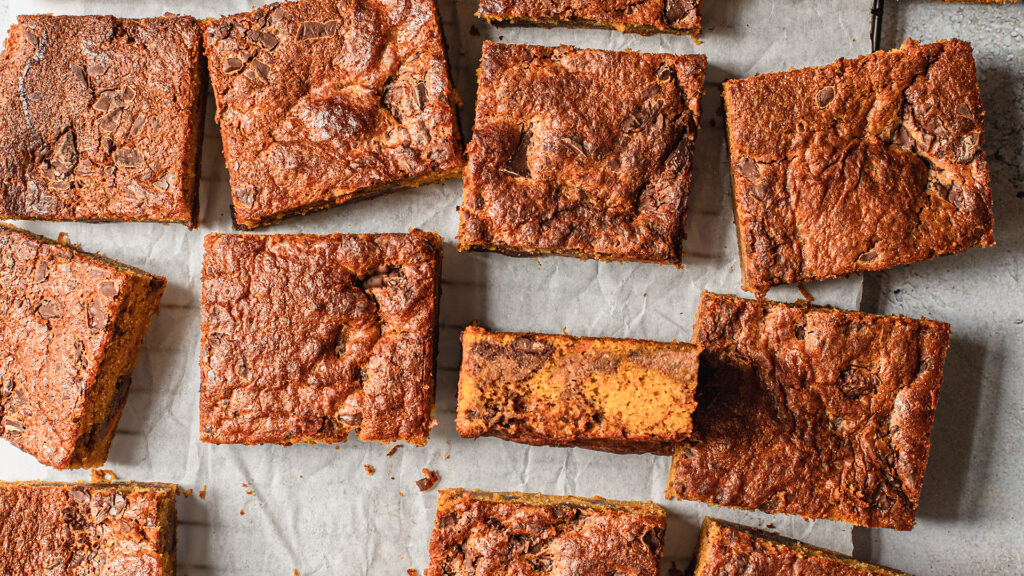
[647,17]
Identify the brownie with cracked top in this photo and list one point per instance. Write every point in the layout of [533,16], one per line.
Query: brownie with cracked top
[101,118]
[66,529]
[581,152]
[71,327]
[727,548]
[644,17]
[861,165]
[499,533]
[811,411]
[321,102]
[617,395]
[307,338]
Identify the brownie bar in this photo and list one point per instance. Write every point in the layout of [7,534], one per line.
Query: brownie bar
[489,534]
[650,17]
[621,396]
[727,548]
[101,119]
[306,338]
[811,411]
[321,102]
[71,327]
[57,529]
[860,165]
[581,152]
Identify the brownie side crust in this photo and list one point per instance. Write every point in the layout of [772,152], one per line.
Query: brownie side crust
[863,164]
[120,529]
[617,395]
[71,328]
[321,102]
[489,534]
[581,152]
[100,119]
[307,338]
[650,17]
[811,411]
[727,548]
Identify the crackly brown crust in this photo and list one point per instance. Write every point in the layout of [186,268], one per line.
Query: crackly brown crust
[644,17]
[864,164]
[58,529]
[491,534]
[617,395]
[306,338]
[811,411]
[321,102]
[727,548]
[71,327]
[581,152]
[101,119]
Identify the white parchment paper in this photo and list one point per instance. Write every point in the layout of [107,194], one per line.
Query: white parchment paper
[313,509]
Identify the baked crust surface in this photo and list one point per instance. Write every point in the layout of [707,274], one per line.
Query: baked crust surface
[645,17]
[811,411]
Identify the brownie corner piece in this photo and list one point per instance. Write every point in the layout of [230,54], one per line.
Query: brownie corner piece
[617,395]
[321,102]
[531,533]
[725,547]
[307,338]
[860,165]
[663,16]
[102,120]
[811,411]
[116,528]
[71,328]
[581,152]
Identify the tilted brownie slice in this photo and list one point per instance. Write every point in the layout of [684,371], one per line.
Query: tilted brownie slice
[860,165]
[71,327]
[120,529]
[811,411]
[649,17]
[323,101]
[607,394]
[101,119]
[307,338]
[727,548]
[581,152]
[491,534]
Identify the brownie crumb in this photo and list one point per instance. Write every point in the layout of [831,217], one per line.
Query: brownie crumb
[393,450]
[803,292]
[202,493]
[412,572]
[369,469]
[101,475]
[428,481]
[187,493]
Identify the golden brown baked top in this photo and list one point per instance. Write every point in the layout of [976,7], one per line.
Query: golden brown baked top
[490,534]
[60,313]
[320,101]
[607,394]
[811,411]
[583,152]
[645,16]
[306,338]
[727,548]
[859,165]
[99,118]
[56,529]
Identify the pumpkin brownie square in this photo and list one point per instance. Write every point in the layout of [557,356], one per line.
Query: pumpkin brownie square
[512,533]
[727,548]
[811,411]
[650,17]
[71,327]
[101,119]
[119,529]
[860,165]
[307,338]
[581,152]
[321,102]
[617,395]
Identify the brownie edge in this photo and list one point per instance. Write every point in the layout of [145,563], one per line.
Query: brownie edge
[650,17]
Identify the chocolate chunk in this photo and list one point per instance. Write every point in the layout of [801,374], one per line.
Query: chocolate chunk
[49,309]
[79,496]
[140,122]
[118,504]
[78,71]
[233,65]
[968,149]
[351,420]
[630,124]
[421,94]
[242,368]
[748,168]
[110,121]
[825,96]
[268,41]
[665,73]
[222,31]
[869,256]
[128,93]
[162,183]
[42,271]
[262,71]
[32,38]
[428,481]
[108,289]
[60,185]
[676,10]
[573,143]
[518,164]
[97,315]
[904,140]
[97,69]
[34,96]
[65,157]
[965,111]
[106,144]
[127,158]
[103,102]
[246,196]
[310,30]
[376,280]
